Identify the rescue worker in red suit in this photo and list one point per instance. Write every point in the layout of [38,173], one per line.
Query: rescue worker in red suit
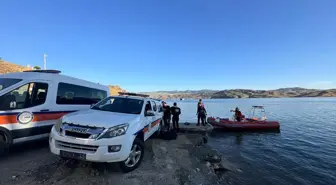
[238,115]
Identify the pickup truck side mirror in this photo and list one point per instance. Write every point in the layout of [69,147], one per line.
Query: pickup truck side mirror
[149,113]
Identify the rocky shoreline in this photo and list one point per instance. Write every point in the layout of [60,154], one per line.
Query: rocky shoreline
[188,160]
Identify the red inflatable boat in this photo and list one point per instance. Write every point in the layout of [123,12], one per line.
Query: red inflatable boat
[252,123]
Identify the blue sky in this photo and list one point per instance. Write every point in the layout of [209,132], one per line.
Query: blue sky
[153,45]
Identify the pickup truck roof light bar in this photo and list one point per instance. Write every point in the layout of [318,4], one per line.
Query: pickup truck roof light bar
[132,94]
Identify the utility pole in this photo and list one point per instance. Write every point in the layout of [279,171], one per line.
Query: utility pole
[45,60]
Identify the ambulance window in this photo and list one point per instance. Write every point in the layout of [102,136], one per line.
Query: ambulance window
[78,95]
[39,94]
[26,96]
[7,82]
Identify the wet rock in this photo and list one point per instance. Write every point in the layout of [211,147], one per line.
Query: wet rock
[92,173]
[84,165]
[169,166]
[198,169]
[199,144]
[208,164]
[205,140]
[212,158]
[163,149]
[13,177]
[208,157]
[218,168]
[216,159]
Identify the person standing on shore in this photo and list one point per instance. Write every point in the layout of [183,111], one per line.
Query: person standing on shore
[199,102]
[166,115]
[176,111]
[201,113]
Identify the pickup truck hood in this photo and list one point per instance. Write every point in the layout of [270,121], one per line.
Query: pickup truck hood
[97,118]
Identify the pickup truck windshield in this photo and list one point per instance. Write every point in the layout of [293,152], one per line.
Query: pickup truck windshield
[6,82]
[120,105]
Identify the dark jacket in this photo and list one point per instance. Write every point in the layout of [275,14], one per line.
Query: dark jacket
[201,110]
[176,111]
[166,111]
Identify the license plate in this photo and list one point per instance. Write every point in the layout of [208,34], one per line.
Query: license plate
[72,155]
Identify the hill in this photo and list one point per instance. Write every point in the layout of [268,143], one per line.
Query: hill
[188,94]
[8,67]
[245,93]
[114,89]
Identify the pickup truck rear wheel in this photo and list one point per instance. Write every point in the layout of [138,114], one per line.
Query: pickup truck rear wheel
[135,157]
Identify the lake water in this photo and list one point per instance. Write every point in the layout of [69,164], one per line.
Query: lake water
[304,152]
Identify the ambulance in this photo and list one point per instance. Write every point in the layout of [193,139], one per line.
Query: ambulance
[32,101]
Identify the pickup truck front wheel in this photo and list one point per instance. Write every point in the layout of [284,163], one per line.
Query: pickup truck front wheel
[4,145]
[135,157]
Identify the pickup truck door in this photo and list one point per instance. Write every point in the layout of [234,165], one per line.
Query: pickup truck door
[148,121]
[156,119]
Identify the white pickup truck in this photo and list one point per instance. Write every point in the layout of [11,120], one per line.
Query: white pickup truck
[113,130]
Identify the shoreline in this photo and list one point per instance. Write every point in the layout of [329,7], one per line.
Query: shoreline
[188,160]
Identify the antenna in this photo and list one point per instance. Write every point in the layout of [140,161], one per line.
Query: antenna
[45,60]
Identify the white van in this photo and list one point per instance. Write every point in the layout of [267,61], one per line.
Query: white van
[32,101]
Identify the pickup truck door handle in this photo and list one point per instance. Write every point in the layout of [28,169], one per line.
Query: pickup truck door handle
[44,110]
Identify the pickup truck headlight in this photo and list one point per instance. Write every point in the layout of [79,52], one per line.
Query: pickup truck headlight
[58,125]
[115,131]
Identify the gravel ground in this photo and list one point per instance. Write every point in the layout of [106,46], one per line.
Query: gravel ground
[172,162]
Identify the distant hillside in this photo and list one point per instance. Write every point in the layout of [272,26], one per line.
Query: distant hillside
[245,93]
[278,93]
[7,67]
[114,89]
[188,94]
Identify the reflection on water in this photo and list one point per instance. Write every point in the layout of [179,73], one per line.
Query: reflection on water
[239,136]
[239,139]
